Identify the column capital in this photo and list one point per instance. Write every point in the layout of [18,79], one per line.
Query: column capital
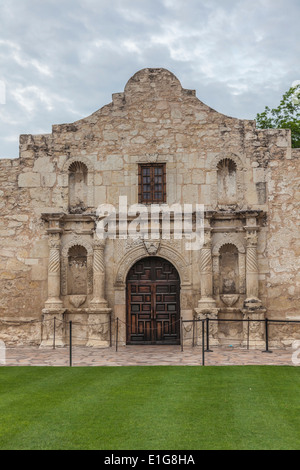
[251,239]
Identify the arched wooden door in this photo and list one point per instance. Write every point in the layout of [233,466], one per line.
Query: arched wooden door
[153,303]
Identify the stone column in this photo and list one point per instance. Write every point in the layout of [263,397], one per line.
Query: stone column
[99,275]
[53,305]
[252,264]
[54,300]
[253,333]
[99,313]
[207,304]
[206,272]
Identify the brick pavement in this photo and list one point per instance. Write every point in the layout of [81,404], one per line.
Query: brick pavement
[144,356]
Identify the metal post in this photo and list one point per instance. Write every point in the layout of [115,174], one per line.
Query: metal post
[267,336]
[207,335]
[70,324]
[117,334]
[54,332]
[248,333]
[181,333]
[193,344]
[110,337]
[203,348]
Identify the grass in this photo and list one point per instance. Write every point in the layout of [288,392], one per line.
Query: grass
[150,408]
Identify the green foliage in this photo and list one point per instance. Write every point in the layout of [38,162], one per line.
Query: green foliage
[285,116]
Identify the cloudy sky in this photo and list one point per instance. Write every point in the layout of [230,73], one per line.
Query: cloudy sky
[61,60]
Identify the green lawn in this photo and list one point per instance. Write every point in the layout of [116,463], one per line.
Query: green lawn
[150,408]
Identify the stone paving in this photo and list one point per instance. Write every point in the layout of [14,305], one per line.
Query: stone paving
[144,356]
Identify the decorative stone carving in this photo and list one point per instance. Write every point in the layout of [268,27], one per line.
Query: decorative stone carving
[77,300]
[165,251]
[152,247]
[99,274]
[230,299]
[251,236]
[54,301]
[207,304]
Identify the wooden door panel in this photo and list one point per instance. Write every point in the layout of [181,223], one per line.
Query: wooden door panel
[153,310]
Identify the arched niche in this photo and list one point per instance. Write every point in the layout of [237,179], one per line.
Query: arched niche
[229,266]
[78,188]
[77,270]
[78,177]
[229,187]
[77,263]
[229,269]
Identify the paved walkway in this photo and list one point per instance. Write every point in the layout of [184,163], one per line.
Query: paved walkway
[144,356]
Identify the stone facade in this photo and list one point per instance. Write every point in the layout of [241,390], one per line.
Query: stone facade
[52,264]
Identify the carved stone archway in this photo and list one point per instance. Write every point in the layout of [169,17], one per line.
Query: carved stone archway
[164,251]
[138,252]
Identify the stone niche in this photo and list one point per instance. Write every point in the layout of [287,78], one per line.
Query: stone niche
[229,274]
[78,189]
[77,271]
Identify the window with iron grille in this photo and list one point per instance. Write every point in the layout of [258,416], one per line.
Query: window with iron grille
[152,183]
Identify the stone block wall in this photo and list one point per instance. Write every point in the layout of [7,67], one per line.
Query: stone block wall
[154,120]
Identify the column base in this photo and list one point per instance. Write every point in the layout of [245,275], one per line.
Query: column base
[254,331]
[207,305]
[48,326]
[99,305]
[252,303]
[207,309]
[53,304]
[99,327]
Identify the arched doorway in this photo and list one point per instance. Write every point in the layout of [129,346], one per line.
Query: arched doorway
[153,302]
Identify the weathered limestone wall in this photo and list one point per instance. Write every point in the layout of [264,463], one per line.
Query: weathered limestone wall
[22,265]
[153,120]
[283,242]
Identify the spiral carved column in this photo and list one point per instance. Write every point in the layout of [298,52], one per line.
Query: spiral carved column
[253,331]
[252,267]
[99,314]
[54,300]
[206,272]
[53,313]
[207,304]
[99,274]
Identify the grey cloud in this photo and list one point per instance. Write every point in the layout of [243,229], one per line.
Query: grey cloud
[61,61]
